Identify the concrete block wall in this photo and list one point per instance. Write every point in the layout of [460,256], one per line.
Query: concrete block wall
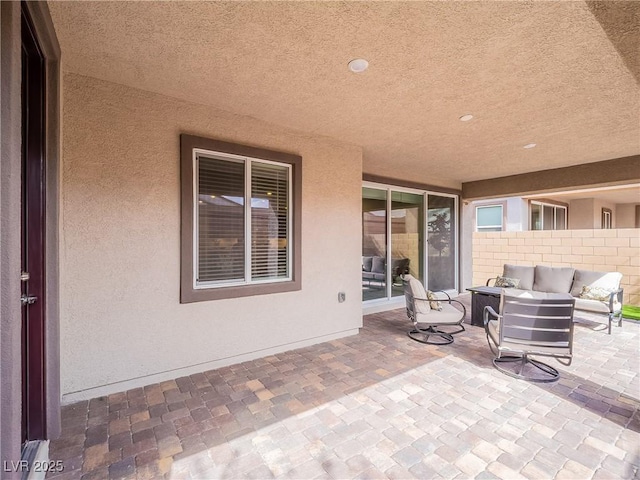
[600,250]
[407,245]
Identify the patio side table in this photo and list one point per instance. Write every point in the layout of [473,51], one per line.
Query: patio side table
[482,297]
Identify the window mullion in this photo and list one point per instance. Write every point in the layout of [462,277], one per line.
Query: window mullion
[196,218]
[290,232]
[247,221]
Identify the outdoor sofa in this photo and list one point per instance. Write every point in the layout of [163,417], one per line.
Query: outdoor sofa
[594,292]
[374,268]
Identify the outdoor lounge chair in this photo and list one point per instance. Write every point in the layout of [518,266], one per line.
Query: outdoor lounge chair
[530,323]
[427,320]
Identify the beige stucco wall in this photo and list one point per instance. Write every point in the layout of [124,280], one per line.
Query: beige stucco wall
[121,321]
[626,215]
[581,214]
[598,205]
[600,250]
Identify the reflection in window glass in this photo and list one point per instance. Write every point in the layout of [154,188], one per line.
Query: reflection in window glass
[489,218]
[545,216]
[561,218]
[374,243]
[536,216]
[406,238]
[441,261]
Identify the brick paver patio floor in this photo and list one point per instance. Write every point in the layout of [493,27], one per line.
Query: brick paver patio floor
[374,405]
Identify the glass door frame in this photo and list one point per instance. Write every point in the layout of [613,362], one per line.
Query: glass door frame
[456,239]
[388,188]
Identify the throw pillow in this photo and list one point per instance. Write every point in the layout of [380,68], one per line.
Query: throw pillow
[506,282]
[367,263]
[595,293]
[433,301]
[378,265]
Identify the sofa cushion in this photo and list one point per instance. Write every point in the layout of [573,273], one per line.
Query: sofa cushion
[378,265]
[507,282]
[524,274]
[607,280]
[534,295]
[553,279]
[367,263]
[596,306]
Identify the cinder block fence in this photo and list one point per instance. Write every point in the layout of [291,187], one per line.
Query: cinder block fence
[602,250]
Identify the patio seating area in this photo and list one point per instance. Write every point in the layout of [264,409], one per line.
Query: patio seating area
[374,405]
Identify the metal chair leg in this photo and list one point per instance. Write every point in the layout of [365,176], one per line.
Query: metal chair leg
[424,336]
[551,374]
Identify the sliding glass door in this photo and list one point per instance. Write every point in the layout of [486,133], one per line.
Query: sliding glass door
[374,244]
[441,239]
[398,237]
[407,234]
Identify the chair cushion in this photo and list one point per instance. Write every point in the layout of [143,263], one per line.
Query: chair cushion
[367,263]
[524,274]
[449,315]
[418,291]
[507,282]
[609,280]
[378,265]
[553,279]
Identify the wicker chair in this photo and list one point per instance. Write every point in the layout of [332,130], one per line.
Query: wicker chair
[530,323]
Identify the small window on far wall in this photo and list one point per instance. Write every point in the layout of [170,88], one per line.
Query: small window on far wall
[545,216]
[489,218]
[240,220]
[606,218]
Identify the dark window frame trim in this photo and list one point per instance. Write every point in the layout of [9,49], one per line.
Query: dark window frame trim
[188,294]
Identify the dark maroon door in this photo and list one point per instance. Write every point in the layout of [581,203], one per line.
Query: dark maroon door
[33,234]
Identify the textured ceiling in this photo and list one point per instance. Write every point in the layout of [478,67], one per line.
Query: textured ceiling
[559,74]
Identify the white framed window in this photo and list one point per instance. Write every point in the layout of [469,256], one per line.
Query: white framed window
[489,218]
[606,218]
[546,216]
[241,220]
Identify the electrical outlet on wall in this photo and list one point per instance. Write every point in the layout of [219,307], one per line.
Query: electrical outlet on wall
[342,297]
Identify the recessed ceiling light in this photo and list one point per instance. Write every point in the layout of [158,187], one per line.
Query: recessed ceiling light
[529,145]
[358,65]
[466,118]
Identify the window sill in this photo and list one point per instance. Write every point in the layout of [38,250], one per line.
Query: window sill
[205,294]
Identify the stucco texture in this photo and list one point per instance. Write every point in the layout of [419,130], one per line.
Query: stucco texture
[120,275]
[562,75]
